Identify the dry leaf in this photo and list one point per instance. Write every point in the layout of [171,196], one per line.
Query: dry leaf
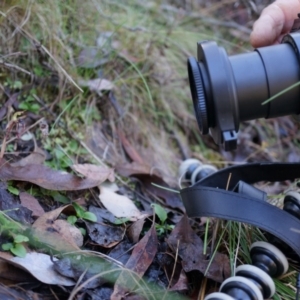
[147,176]
[130,150]
[13,273]
[139,261]
[182,283]
[32,204]
[97,173]
[45,177]
[190,249]
[97,85]
[135,230]
[120,206]
[37,158]
[40,266]
[56,233]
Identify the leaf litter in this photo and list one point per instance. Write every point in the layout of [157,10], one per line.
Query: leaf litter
[190,249]
[139,261]
[105,235]
[120,206]
[40,266]
[56,233]
[46,177]
[123,233]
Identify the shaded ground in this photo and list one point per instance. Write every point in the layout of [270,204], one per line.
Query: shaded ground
[100,91]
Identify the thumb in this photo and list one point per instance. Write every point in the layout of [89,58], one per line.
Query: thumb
[275,20]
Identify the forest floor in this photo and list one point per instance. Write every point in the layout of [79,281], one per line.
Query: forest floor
[96,117]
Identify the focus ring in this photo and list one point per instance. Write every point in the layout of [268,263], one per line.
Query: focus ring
[198,95]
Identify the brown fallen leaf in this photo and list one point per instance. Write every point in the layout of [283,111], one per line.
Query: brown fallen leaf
[130,150]
[36,158]
[32,204]
[148,177]
[94,172]
[181,284]
[13,273]
[45,177]
[58,234]
[190,250]
[139,261]
[135,230]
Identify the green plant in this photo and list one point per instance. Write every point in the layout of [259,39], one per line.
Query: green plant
[120,221]
[16,247]
[13,190]
[81,213]
[29,104]
[161,213]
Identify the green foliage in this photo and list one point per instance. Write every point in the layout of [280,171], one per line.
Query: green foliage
[83,231]
[89,216]
[72,220]
[16,247]
[29,105]
[56,195]
[20,238]
[12,189]
[18,250]
[16,84]
[162,228]
[120,221]
[81,213]
[160,212]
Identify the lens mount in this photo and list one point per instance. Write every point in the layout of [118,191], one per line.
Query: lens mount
[198,96]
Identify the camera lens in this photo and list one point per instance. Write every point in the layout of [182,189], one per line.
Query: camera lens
[227,90]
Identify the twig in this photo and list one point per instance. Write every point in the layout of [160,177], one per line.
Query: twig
[12,66]
[174,267]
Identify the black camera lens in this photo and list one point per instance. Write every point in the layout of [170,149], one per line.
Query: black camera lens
[229,89]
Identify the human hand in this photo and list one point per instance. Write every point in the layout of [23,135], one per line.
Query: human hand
[275,21]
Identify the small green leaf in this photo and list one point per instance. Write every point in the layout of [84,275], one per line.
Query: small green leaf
[24,106]
[72,220]
[17,85]
[20,238]
[13,190]
[83,231]
[119,221]
[79,210]
[160,212]
[18,250]
[89,216]
[59,154]
[73,146]
[7,246]
[59,197]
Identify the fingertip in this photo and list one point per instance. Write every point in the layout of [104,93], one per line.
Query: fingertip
[263,33]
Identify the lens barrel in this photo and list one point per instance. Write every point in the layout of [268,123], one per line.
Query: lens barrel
[227,90]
